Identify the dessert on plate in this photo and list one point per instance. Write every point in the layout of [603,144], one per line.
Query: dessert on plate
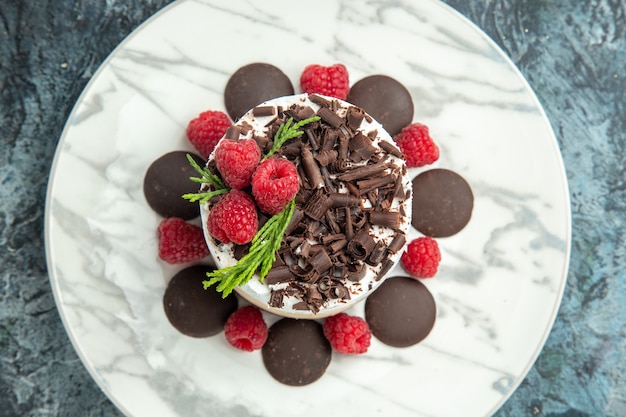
[306,203]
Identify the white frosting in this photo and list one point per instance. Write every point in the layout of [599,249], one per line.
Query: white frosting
[259,293]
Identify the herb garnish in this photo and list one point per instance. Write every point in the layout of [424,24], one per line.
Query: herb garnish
[261,256]
[267,241]
[206,177]
[288,131]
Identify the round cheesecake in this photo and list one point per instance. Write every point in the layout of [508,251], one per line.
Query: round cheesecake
[353,207]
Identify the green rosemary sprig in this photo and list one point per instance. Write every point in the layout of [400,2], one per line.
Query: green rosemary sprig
[206,177]
[288,131]
[260,257]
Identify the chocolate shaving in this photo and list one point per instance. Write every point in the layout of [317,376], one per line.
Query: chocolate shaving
[262,111]
[311,169]
[389,219]
[320,261]
[279,274]
[364,171]
[344,200]
[361,245]
[330,117]
[317,205]
[355,117]
[377,182]
[397,243]
[326,157]
[391,149]
[232,132]
[361,147]
[319,100]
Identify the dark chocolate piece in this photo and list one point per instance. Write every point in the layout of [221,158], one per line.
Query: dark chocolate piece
[389,219]
[262,111]
[401,312]
[385,99]
[442,203]
[330,117]
[253,84]
[166,180]
[296,352]
[191,309]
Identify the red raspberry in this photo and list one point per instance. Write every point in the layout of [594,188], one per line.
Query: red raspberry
[347,334]
[206,130]
[421,257]
[245,329]
[330,81]
[181,242]
[274,183]
[236,160]
[418,147]
[234,218]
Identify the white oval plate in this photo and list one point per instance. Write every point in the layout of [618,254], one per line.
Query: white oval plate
[501,279]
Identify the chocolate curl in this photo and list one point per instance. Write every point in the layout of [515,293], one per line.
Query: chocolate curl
[305,112]
[295,223]
[339,291]
[318,205]
[326,157]
[276,298]
[397,243]
[370,184]
[262,111]
[338,245]
[319,100]
[361,245]
[329,138]
[378,254]
[365,171]
[391,149]
[349,228]
[330,117]
[279,274]
[312,139]
[383,271]
[389,219]
[342,150]
[344,200]
[232,132]
[311,169]
[331,219]
[354,117]
[332,237]
[327,179]
[291,149]
[361,147]
[356,271]
[320,261]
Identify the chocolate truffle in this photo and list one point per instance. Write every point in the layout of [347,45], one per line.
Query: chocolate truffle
[253,84]
[191,309]
[401,312]
[166,180]
[296,352]
[442,203]
[385,99]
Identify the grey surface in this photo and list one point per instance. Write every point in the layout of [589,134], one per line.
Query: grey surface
[572,53]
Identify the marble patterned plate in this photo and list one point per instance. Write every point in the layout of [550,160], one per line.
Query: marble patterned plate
[502,277]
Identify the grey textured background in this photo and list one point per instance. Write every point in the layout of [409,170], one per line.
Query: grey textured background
[572,52]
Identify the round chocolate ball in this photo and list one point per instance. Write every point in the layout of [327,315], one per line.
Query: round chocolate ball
[191,309]
[401,312]
[166,180]
[442,203]
[385,99]
[296,352]
[253,84]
